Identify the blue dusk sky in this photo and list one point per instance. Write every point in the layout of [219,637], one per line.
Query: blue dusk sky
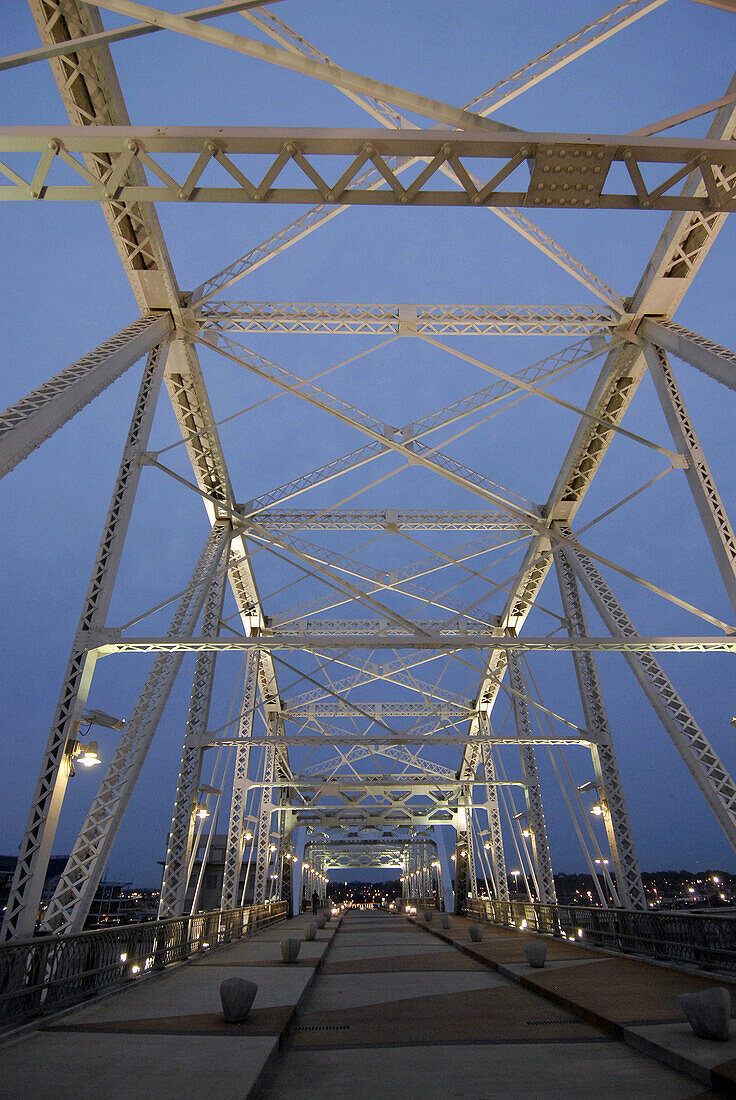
[65,291]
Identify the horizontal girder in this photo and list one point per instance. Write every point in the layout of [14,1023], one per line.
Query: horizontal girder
[294,519]
[403,320]
[401,737]
[339,708]
[321,628]
[562,170]
[718,644]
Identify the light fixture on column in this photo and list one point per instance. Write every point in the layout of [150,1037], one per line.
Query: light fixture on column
[202,812]
[88,755]
[598,808]
[100,718]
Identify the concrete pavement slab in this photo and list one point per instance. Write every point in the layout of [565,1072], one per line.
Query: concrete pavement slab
[586,1071]
[686,1050]
[195,990]
[342,991]
[258,951]
[434,961]
[61,1066]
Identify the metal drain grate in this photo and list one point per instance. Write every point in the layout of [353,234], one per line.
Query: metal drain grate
[322,1027]
[552,1020]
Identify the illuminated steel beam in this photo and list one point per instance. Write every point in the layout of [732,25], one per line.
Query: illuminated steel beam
[103,644]
[402,520]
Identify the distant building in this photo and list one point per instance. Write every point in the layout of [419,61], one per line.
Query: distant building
[210,887]
[53,874]
[113,903]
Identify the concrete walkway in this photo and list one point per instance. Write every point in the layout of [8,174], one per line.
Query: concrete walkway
[629,998]
[164,1037]
[380,1006]
[396,1012]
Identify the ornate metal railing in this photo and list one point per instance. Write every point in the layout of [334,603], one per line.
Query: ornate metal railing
[50,972]
[420,903]
[698,939]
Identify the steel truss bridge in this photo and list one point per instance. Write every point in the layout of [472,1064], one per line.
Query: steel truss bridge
[385,699]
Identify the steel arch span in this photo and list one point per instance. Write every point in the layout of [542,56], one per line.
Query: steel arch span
[409,568]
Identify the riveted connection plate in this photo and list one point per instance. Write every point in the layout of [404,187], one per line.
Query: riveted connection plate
[568,175]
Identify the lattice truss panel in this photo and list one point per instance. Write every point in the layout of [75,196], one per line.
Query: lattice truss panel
[393,524]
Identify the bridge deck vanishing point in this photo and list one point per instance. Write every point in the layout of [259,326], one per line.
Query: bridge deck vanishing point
[381,1006]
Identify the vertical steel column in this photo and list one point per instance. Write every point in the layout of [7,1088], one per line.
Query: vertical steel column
[30,872]
[440,880]
[73,896]
[472,876]
[463,885]
[178,855]
[263,833]
[493,811]
[284,867]
[235,832]
[533,794]
[618,827]
[702,485]
[713,779]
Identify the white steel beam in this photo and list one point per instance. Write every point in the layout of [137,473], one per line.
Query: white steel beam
[91,94]
[136,30]
[183,821]
[699,756]
[68,908]
[543,372]
[297,62]
[532,792]
[92,97]
[403,320]
[104,643]
[28,423]
[675,261]
[30,872]
[385,520]
[383,709]
[616,817]
[716,524]
[556,58]
[389,117]
[229,898]
[686,239]
[589,158]
[706,355]
[495,833]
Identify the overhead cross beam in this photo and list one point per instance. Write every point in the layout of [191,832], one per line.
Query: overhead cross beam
[566,171]
[403,320]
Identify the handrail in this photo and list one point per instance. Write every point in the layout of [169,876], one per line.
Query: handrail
[49,972]
[705,940]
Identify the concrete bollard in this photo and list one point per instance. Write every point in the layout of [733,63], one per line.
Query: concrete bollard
[428,914]
[476,933]
[290,950]
[321,920]
[536,953]
[237,996]
[708,1012]
[446,922]
[311,930]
